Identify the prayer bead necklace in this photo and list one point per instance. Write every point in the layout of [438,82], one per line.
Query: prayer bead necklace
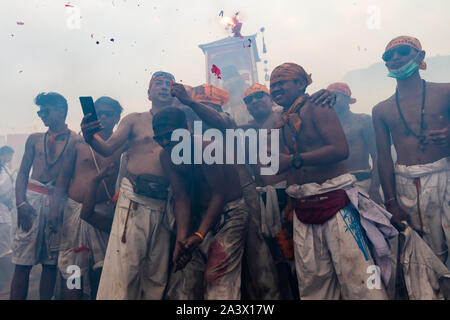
[50,165]
[420,136]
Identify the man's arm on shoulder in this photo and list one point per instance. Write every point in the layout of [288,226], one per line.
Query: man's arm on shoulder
[117,139]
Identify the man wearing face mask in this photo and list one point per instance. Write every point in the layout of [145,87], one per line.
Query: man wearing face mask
[417,187]
[360,136]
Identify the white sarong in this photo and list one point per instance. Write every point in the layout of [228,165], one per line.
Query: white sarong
[38,245]
[427,185]
[333,259]
[82,244]
[423,271]
[137,268]
[214,273]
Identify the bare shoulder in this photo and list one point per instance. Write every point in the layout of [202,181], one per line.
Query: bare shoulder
[132,117]
[34,138]
[384,106]
[76,138]
[441,87]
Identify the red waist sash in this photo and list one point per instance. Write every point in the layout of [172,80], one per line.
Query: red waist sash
[318,209]
[38,189]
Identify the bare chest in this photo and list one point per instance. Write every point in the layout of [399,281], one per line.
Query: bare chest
[142,135]
[409,117]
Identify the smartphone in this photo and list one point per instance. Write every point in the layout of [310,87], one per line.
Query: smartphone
[87,104]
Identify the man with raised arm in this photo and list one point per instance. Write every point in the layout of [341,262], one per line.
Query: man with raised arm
[211,218]
[82,244]
[137,258]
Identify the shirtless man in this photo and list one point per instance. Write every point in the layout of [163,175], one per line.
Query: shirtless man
[213,235]
[34,242]
[82,244]
[360,136]
[417,117]
[258,268]
[331,251]
[137,257]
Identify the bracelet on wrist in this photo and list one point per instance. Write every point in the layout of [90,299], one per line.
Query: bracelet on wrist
[198,234]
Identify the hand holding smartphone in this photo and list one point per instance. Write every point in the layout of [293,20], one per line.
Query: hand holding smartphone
[90,124]
[87,104]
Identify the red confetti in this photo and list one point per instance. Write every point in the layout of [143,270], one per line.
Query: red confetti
[216,71]
[80,249]
[20,23]
[69,5]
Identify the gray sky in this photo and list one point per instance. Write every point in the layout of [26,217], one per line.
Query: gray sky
[323,36]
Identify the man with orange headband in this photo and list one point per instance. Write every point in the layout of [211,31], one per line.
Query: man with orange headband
[136,264]
[417,117]
[360,136]
[331,248]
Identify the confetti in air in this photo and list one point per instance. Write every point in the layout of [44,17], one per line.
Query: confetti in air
[216,71]
[112,39]
[69,6]
[20,23]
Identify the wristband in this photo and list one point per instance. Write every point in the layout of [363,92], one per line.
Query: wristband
[297,161]
[21,204]
[97,137]
[198,234]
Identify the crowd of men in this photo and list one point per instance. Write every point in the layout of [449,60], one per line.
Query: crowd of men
[339,220]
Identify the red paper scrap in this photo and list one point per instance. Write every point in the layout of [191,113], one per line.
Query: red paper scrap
[216,71]
[80,249]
